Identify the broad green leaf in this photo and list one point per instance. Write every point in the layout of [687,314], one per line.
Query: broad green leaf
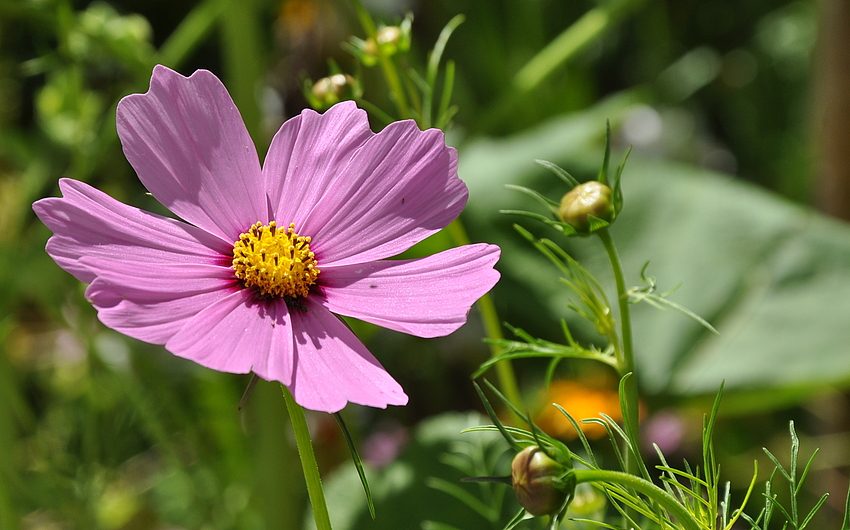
[773,277]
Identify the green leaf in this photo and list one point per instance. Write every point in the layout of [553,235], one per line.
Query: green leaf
[596,523]
[769,275]
[495,418]
[445,112]
[617,189]
[358,464]
[606,160]
[518,518]
[596,223]
[813,511]
[560,172]
[464,496]
[561,227]
[545,201]
[440,46]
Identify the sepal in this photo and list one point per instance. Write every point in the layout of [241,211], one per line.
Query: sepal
[541,484]
[587,207]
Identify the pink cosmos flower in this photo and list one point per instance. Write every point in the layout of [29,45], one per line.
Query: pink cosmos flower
[250,282]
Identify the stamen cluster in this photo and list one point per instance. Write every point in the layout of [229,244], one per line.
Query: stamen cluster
[279,263]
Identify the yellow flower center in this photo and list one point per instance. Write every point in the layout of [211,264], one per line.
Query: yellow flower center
[276,262]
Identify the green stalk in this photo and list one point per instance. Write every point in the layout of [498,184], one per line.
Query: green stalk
[308,461]
[387,65]
[8,436]
[492,327]
[625,352]
[669,502]
[572,40]
[244,59]
[583,32]
[192,31]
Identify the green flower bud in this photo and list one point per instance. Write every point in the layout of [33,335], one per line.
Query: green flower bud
[591,198]
[532,477]
[391,39]
[333,89]
[370,49]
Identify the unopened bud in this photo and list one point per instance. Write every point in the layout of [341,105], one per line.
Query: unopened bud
[591,198]
[370,48]
[533,476]
[389,38]
[333,89]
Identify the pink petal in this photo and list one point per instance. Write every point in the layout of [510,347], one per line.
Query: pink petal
[153,303]
[188,144]
[88,223]
[398,188]
[332,367]
[239,334]
[427,297]
[306,155]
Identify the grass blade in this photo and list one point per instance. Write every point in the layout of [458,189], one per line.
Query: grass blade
[357,462]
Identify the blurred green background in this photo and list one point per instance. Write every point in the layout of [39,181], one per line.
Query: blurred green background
[738,114]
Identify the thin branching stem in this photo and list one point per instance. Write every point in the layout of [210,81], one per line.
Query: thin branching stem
[625,351]
[387,66]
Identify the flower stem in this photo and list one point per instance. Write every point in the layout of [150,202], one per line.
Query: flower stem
[308,461]
[588,29]
[387,66]
[492,327]
[664,499]
[625,352]
[193,29]
[584,31]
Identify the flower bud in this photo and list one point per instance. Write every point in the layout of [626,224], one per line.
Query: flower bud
[389,38]
[532,477]
[591,198]
[331,90]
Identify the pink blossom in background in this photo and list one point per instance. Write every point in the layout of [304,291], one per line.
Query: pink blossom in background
[381,448]
[665,429]
[267,254]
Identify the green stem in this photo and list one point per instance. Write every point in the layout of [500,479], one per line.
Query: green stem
[583,32]
[192,31]
[9,393]
[572,40]
[587,29]
[308,461]
[387,65]
[492,327]
[244,55]
[664,499]
[625,352]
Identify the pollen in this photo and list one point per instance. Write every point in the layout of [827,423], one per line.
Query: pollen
[278,263]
